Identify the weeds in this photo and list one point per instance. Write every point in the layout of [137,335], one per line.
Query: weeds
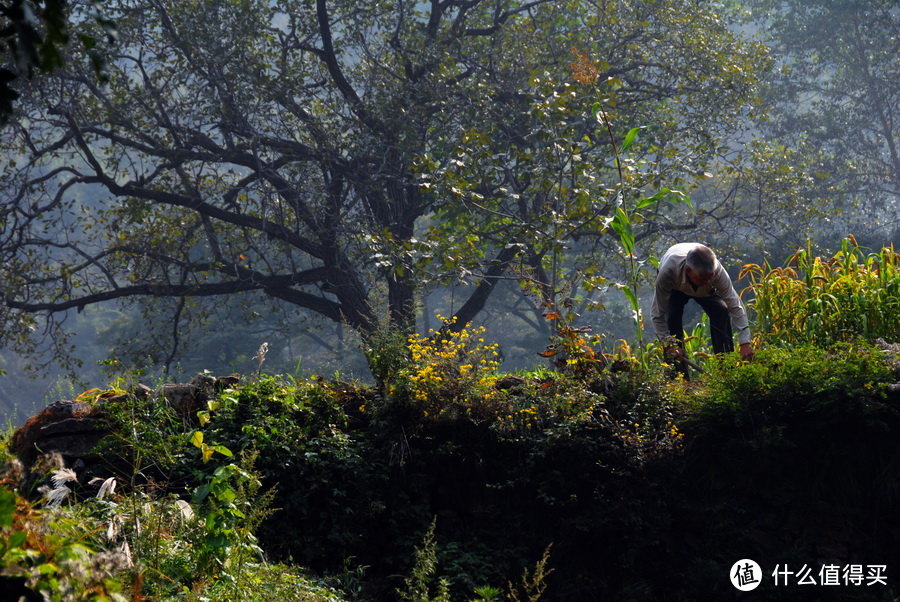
[48,548]
[132,539]
[422,580]
[532,586]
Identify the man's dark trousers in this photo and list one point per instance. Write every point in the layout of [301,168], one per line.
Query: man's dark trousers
[715,308]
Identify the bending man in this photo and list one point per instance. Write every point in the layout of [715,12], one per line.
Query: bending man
[688,271]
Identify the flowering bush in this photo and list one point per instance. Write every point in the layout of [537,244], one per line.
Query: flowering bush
[452,371]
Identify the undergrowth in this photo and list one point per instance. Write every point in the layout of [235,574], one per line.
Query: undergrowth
[550,484]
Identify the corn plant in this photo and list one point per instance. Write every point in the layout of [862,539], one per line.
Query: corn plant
[621,224]
[852,294]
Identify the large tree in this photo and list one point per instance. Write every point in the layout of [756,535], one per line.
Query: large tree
[297,149]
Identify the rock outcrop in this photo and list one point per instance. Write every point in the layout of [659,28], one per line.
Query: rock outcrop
[73,428]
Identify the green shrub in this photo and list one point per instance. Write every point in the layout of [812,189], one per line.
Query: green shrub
[782,382]
[810,425]
[620,469]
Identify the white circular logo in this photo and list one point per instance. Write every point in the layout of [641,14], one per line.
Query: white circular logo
[745,575]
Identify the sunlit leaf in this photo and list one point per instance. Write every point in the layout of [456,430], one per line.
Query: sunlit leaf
[630,137]
[223,450]
[631,297]
[89,394]
[622,226]
[197,438]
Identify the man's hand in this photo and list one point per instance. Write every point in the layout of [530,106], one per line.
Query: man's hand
[746,351]
[674,352]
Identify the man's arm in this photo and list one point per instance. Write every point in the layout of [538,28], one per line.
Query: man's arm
[659,308]
[739,320]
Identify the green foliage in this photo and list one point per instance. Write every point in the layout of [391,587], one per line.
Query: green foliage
[273,415]
[232,509]
[387,352]
[265,582]
[487,593]
[823,301]
[137,540]
[298,432]
[847,378]
[824,108]
[824,415]
[532,586]
[35,35]
[602,450]
[145,437]
[812,430]
[418,585]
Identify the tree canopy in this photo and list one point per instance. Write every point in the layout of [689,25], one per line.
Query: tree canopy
[342,157]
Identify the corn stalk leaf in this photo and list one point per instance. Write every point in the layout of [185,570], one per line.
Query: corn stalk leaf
[621,224]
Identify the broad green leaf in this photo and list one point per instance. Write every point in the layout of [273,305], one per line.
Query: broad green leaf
[629,292]
[630,137]
[672,196]
[646,202]
[223,450]
[227,495]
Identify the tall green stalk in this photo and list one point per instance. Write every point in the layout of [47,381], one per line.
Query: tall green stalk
[852,294]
